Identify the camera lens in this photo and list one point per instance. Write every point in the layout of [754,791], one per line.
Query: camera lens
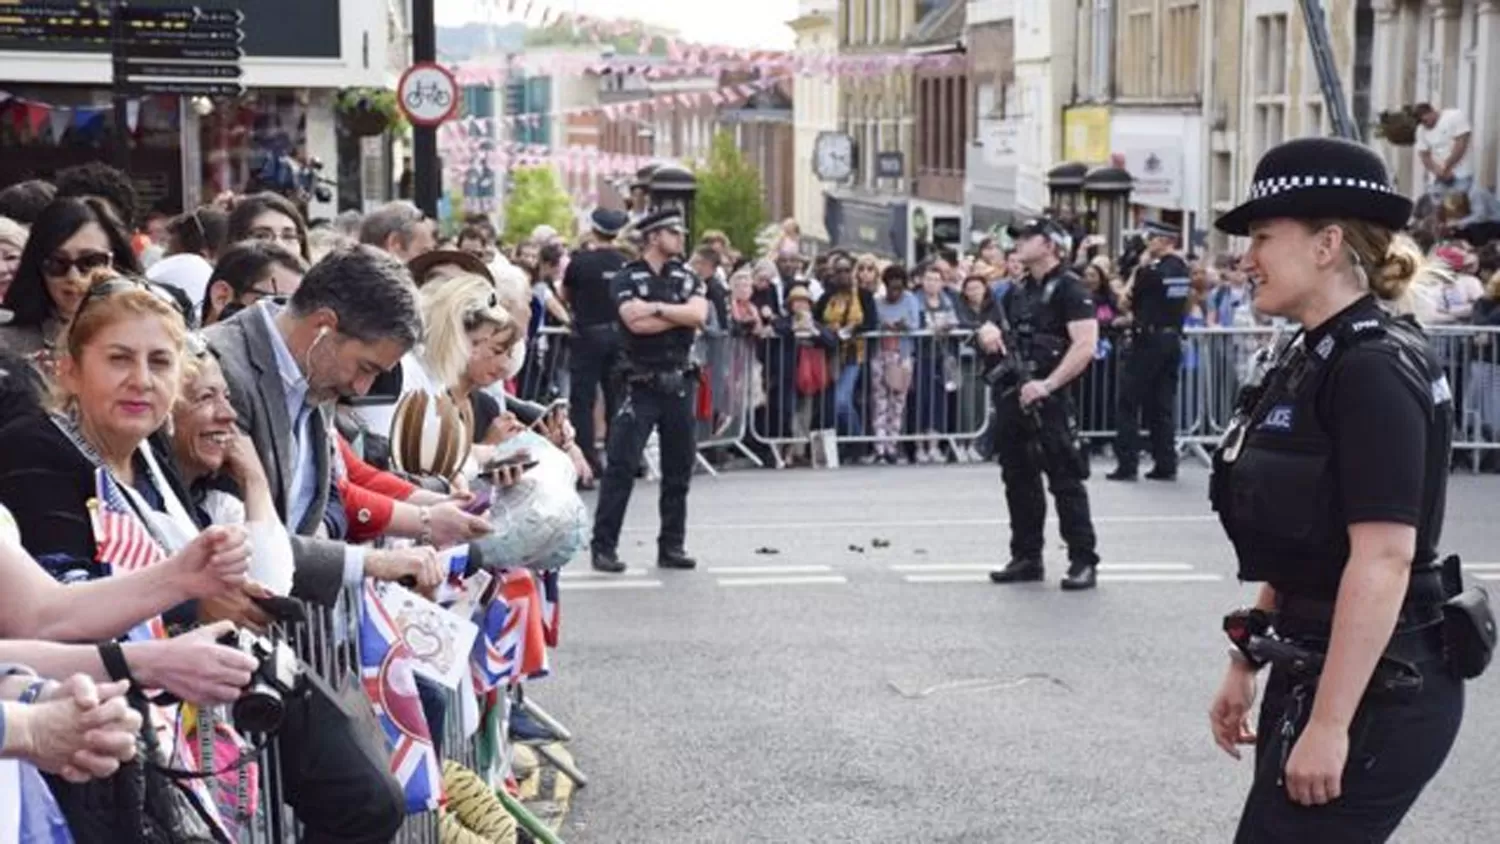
[259,710]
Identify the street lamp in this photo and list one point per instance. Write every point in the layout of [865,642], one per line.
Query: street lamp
[1065,188]
[1107,192]
[672,186]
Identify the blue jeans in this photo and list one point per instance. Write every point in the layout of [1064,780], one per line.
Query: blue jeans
[845,411]
[1437,190]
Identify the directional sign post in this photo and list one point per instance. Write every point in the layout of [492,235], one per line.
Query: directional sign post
[185,51]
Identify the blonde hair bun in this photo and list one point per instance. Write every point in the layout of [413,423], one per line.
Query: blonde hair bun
[1402,264]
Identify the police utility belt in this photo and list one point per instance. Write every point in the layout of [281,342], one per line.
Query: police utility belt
[1448,620]
[667,381]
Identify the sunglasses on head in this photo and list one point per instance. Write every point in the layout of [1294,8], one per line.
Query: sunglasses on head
[120,284]
[57,266]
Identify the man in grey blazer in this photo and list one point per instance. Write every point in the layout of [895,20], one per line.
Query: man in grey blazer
[353,316]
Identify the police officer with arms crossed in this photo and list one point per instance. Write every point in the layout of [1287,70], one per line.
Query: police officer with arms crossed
[1053,332]
[586,286]
[661,305]
[1331,482]
[1159,297]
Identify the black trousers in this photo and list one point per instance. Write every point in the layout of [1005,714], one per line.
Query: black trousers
[595,353]
[1395,748]
[671,416]
[1025,454]
[1149,386]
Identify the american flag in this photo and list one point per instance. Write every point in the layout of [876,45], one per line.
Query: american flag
[120,540]
[386,668]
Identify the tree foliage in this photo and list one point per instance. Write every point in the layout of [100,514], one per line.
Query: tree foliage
[536,198]
[729,196]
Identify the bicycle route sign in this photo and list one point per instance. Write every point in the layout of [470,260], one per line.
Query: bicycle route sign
[428,94]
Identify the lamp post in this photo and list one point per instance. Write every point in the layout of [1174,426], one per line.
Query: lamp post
[671,186]
[427,179]
[1065,188]
[1107,193]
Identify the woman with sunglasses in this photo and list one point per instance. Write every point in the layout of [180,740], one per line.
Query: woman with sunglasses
[73,240]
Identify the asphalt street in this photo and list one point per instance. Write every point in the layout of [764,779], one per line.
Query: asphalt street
[838,690]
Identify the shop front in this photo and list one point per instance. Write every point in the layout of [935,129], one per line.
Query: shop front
[1163,152]
[56,107]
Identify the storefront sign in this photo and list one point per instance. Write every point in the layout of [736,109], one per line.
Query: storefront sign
[267,33]
[867,226]
[1155,163]
[1086,134]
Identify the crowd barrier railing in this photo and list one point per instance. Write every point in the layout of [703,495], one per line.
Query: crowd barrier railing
[755,404]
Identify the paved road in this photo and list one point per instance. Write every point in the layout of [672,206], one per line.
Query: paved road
[888,695]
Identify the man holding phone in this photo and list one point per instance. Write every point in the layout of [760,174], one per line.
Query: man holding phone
[661,305]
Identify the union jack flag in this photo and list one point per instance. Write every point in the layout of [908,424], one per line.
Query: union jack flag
[120,540]
[551,609]
[386,667]
[497,649]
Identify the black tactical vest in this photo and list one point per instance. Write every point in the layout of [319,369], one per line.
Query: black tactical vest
[1275,482]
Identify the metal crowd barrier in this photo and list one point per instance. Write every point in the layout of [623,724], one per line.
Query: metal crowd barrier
[755,405]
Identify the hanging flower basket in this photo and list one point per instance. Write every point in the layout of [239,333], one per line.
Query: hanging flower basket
[1398,127]
[365,112]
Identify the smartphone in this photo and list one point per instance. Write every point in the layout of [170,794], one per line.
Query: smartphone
[520,458]
[480,502]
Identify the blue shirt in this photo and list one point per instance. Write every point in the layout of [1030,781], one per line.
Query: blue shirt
[905,308]
[304,486]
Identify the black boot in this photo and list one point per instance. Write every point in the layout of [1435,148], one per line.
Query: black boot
[1081,576]
[1121,474]
[675,558]
[607,562]
[1018,571]
[1161,473]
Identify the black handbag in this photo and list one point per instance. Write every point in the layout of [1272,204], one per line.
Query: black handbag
[1468,624]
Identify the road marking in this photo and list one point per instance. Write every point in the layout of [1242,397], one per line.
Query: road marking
[1103,567]
[817,580]
[590,574]
[1481,566]
[1104,577]
[611,585]
[1488,575]
[921,523]
[768,569]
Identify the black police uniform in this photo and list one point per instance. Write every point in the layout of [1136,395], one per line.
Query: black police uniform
[659,390]
[1030,442]
[1159,301]
[595,341]
[1354,425]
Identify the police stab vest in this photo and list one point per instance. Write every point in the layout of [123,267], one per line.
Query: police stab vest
[1274,482]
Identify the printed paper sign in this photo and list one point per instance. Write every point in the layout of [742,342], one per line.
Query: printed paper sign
[439,640]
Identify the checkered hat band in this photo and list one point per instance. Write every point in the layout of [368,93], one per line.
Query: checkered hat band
[1282,184]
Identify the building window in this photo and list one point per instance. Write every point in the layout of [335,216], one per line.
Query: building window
[1270,53]
[1270,126]
[1139,22]
[1180,40]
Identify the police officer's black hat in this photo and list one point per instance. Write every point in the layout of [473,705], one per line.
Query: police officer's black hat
[608,223]
[1319,179]
[667,219]
[1044,226]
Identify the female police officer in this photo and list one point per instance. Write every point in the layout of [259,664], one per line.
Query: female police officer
[1331,484]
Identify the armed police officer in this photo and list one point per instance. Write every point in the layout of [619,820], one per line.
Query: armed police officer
[1050,341]
[661,305]
[596,327]
[1331,482]
[1159,301]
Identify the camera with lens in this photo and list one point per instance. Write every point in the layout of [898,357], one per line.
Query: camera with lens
[278,676]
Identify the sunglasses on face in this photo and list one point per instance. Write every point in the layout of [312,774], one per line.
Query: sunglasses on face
[57,266]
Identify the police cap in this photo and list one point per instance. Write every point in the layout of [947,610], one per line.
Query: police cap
[608,223]
[1156,228]
[667,219]
[1044,226]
